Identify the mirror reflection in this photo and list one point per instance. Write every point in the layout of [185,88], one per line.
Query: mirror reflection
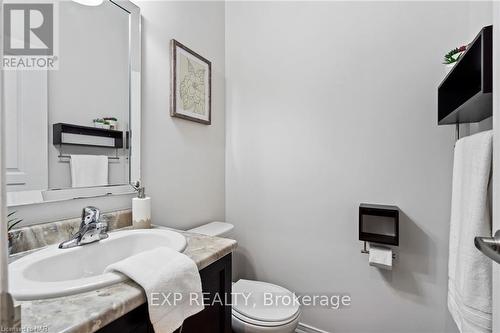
[68,128]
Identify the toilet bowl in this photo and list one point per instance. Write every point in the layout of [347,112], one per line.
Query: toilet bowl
[263,307]
[257,307]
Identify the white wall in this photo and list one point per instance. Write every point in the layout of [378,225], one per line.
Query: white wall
[333,104]
[183,162]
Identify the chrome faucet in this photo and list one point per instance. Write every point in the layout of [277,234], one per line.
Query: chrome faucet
[91,229]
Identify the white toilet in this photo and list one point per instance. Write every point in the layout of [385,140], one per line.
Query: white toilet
[249,313]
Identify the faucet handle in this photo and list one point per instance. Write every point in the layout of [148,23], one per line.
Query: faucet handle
[92,229]
[90,214]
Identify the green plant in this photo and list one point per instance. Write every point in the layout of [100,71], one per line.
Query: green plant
[98,120]
[453,56]
[12,221]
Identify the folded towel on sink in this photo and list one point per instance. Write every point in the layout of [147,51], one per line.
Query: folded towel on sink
[172,284]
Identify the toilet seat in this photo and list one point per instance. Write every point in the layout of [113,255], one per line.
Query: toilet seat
[254,311]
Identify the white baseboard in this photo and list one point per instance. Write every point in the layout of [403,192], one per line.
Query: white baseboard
[303,328]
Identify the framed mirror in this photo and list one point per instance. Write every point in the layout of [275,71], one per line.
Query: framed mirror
[74,131]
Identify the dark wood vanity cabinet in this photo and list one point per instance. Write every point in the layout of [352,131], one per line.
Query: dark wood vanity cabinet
[216,281]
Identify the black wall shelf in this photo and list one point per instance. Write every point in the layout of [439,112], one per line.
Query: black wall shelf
[386,217]
[465,94]
[60,128]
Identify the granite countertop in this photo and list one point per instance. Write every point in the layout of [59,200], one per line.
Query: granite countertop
[90,311]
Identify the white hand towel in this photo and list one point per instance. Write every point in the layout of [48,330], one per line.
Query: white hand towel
[469,271]
[159,272]
[89,170]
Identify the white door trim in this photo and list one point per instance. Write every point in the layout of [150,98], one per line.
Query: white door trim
[496,161]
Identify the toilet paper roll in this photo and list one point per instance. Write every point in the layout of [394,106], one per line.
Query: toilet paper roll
[380,256]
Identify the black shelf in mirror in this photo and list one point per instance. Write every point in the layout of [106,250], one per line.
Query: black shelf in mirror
[60,128]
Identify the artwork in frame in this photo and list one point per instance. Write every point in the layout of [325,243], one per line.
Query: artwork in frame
[191,85]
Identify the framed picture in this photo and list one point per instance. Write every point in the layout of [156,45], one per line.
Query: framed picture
[191,85]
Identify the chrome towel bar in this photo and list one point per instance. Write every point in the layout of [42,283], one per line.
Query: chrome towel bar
[69,156]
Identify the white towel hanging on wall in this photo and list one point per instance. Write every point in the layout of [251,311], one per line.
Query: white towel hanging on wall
[89,170]
[469,271]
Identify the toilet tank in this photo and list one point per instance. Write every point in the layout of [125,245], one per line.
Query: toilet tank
[216,228]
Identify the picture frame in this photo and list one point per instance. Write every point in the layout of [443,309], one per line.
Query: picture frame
[191,84]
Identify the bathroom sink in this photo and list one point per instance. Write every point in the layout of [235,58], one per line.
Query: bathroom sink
[54,272]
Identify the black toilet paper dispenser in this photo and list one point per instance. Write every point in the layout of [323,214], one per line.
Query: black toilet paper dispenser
[379,224]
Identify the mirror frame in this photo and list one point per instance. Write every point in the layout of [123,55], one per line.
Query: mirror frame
[56,195]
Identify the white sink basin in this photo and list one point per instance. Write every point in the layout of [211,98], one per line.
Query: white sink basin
[54,272]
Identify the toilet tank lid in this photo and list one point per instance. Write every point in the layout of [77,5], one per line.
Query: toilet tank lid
[215,228]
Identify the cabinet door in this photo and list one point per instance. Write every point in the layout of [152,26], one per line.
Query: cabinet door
[136,321]
[216,317]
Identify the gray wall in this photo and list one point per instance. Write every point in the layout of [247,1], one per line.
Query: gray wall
[333,104]
[182,161]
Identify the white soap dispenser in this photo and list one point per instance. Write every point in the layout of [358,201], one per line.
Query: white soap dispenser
[141,209]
